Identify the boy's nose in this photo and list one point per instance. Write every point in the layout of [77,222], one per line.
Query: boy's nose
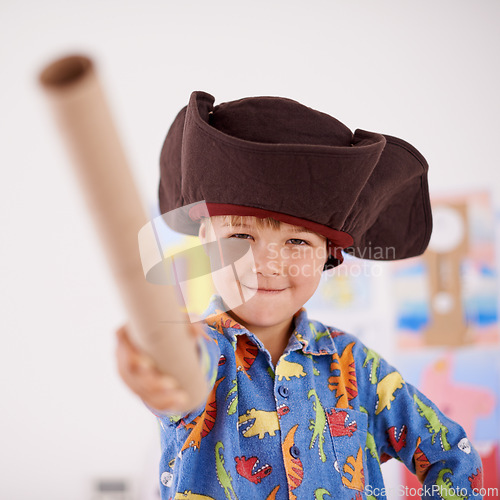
[266,263]
[265,271]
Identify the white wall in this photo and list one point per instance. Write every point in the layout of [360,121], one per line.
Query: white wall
[426,71]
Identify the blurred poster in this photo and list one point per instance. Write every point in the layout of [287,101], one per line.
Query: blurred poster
[465,385]
[348,287]
[449,296]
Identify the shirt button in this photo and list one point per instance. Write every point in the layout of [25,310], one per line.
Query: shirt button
[294,451]
[283,391]
[166,478]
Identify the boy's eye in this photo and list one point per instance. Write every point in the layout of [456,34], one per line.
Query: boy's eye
[297,241]
[240,235]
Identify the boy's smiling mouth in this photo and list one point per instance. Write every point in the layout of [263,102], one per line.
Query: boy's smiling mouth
[265,290]
[262,290]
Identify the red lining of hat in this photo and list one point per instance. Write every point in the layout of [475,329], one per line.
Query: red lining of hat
[338,240]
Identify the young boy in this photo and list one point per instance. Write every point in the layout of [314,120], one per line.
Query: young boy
[296,409]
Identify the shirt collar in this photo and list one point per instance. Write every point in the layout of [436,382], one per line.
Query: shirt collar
[310,336]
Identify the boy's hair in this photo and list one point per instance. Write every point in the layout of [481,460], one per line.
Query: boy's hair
[235,220]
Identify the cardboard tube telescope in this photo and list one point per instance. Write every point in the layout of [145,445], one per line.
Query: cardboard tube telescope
[157,323]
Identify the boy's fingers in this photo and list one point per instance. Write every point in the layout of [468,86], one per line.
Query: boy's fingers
[153,383]
[123,338]
[139,372]
[142,378]
[162,393]
[174,401]
[145,364]
[129,354]
[122,335]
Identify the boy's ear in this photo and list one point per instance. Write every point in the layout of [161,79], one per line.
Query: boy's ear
[202,232]
[327,252]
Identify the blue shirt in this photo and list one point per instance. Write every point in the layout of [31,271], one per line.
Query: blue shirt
[317,426]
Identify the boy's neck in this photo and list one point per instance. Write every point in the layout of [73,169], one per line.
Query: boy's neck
[275,338]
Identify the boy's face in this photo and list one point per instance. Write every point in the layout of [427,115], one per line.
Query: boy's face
[276,278]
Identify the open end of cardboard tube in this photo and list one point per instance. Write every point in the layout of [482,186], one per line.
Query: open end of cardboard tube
[66,71]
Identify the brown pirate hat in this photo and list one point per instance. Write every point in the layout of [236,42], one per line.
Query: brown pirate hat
[274,157]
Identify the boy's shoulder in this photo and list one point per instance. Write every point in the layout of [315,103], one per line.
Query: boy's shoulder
[325,337]
[219,326]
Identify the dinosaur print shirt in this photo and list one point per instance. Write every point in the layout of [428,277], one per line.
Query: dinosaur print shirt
[317,426]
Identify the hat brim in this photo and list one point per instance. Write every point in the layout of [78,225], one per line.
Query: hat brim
[368,195]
